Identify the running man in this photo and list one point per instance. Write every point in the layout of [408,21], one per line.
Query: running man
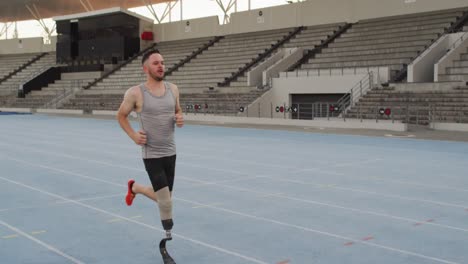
[157,104]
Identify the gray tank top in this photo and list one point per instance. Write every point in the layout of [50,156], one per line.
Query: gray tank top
[157,119]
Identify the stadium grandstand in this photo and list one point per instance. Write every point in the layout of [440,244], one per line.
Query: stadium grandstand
[406,62]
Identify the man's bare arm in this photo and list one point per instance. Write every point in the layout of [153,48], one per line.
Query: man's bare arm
[127,106]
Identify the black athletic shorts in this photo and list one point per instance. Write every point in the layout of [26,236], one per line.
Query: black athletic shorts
[161,172]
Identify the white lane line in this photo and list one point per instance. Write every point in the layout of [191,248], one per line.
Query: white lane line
[229,252]
[201,206]
[262,193]
[136,217]
[49,247]
[343,164]
[60,202]
[115,220]
[93,198]
[38,232]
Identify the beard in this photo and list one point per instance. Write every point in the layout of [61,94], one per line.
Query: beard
[155,77]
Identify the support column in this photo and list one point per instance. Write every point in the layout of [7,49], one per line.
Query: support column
[167,11]
[37,16]
[181,10]
[15,31]
[4,30]
[227,8]
[86,5]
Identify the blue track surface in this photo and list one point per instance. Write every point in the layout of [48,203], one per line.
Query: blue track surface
[241,196]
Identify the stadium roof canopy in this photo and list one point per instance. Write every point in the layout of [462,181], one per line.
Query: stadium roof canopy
[18,10]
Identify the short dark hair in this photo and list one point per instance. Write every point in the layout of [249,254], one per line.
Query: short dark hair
[148,54]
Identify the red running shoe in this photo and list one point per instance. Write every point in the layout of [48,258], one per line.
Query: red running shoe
[130,195]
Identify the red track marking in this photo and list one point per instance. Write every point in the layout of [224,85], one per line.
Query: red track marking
[349,243]
[283,262]
[367,238]
[427,221]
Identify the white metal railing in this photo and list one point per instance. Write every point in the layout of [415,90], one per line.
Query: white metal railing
[64,94]
[355,93]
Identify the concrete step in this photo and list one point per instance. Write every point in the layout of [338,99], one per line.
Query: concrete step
[230,53]
[389,39]
[194,72]
[209,68]
[196,63]
[453,77]
[457,70]
[385,35]
[350,64]
[205,81]
[460,63]
[314,30]
[219,60]
[439,27]
[214,51]
[382,25]
[96,91]
[197,77]
[80,75]
[310,38]
[251,41]
[464,56]
[241,46]
[423,87]
[260,34]
[367,46]
[345,52]
[327,57]
[304,45]
[418,16]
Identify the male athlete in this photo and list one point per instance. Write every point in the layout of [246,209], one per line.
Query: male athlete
[157,104]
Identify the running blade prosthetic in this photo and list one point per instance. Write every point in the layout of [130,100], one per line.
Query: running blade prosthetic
[167,259]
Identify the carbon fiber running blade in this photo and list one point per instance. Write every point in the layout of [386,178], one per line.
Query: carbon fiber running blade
[167,259]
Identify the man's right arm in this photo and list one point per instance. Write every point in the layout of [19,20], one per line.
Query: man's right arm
[127,106]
